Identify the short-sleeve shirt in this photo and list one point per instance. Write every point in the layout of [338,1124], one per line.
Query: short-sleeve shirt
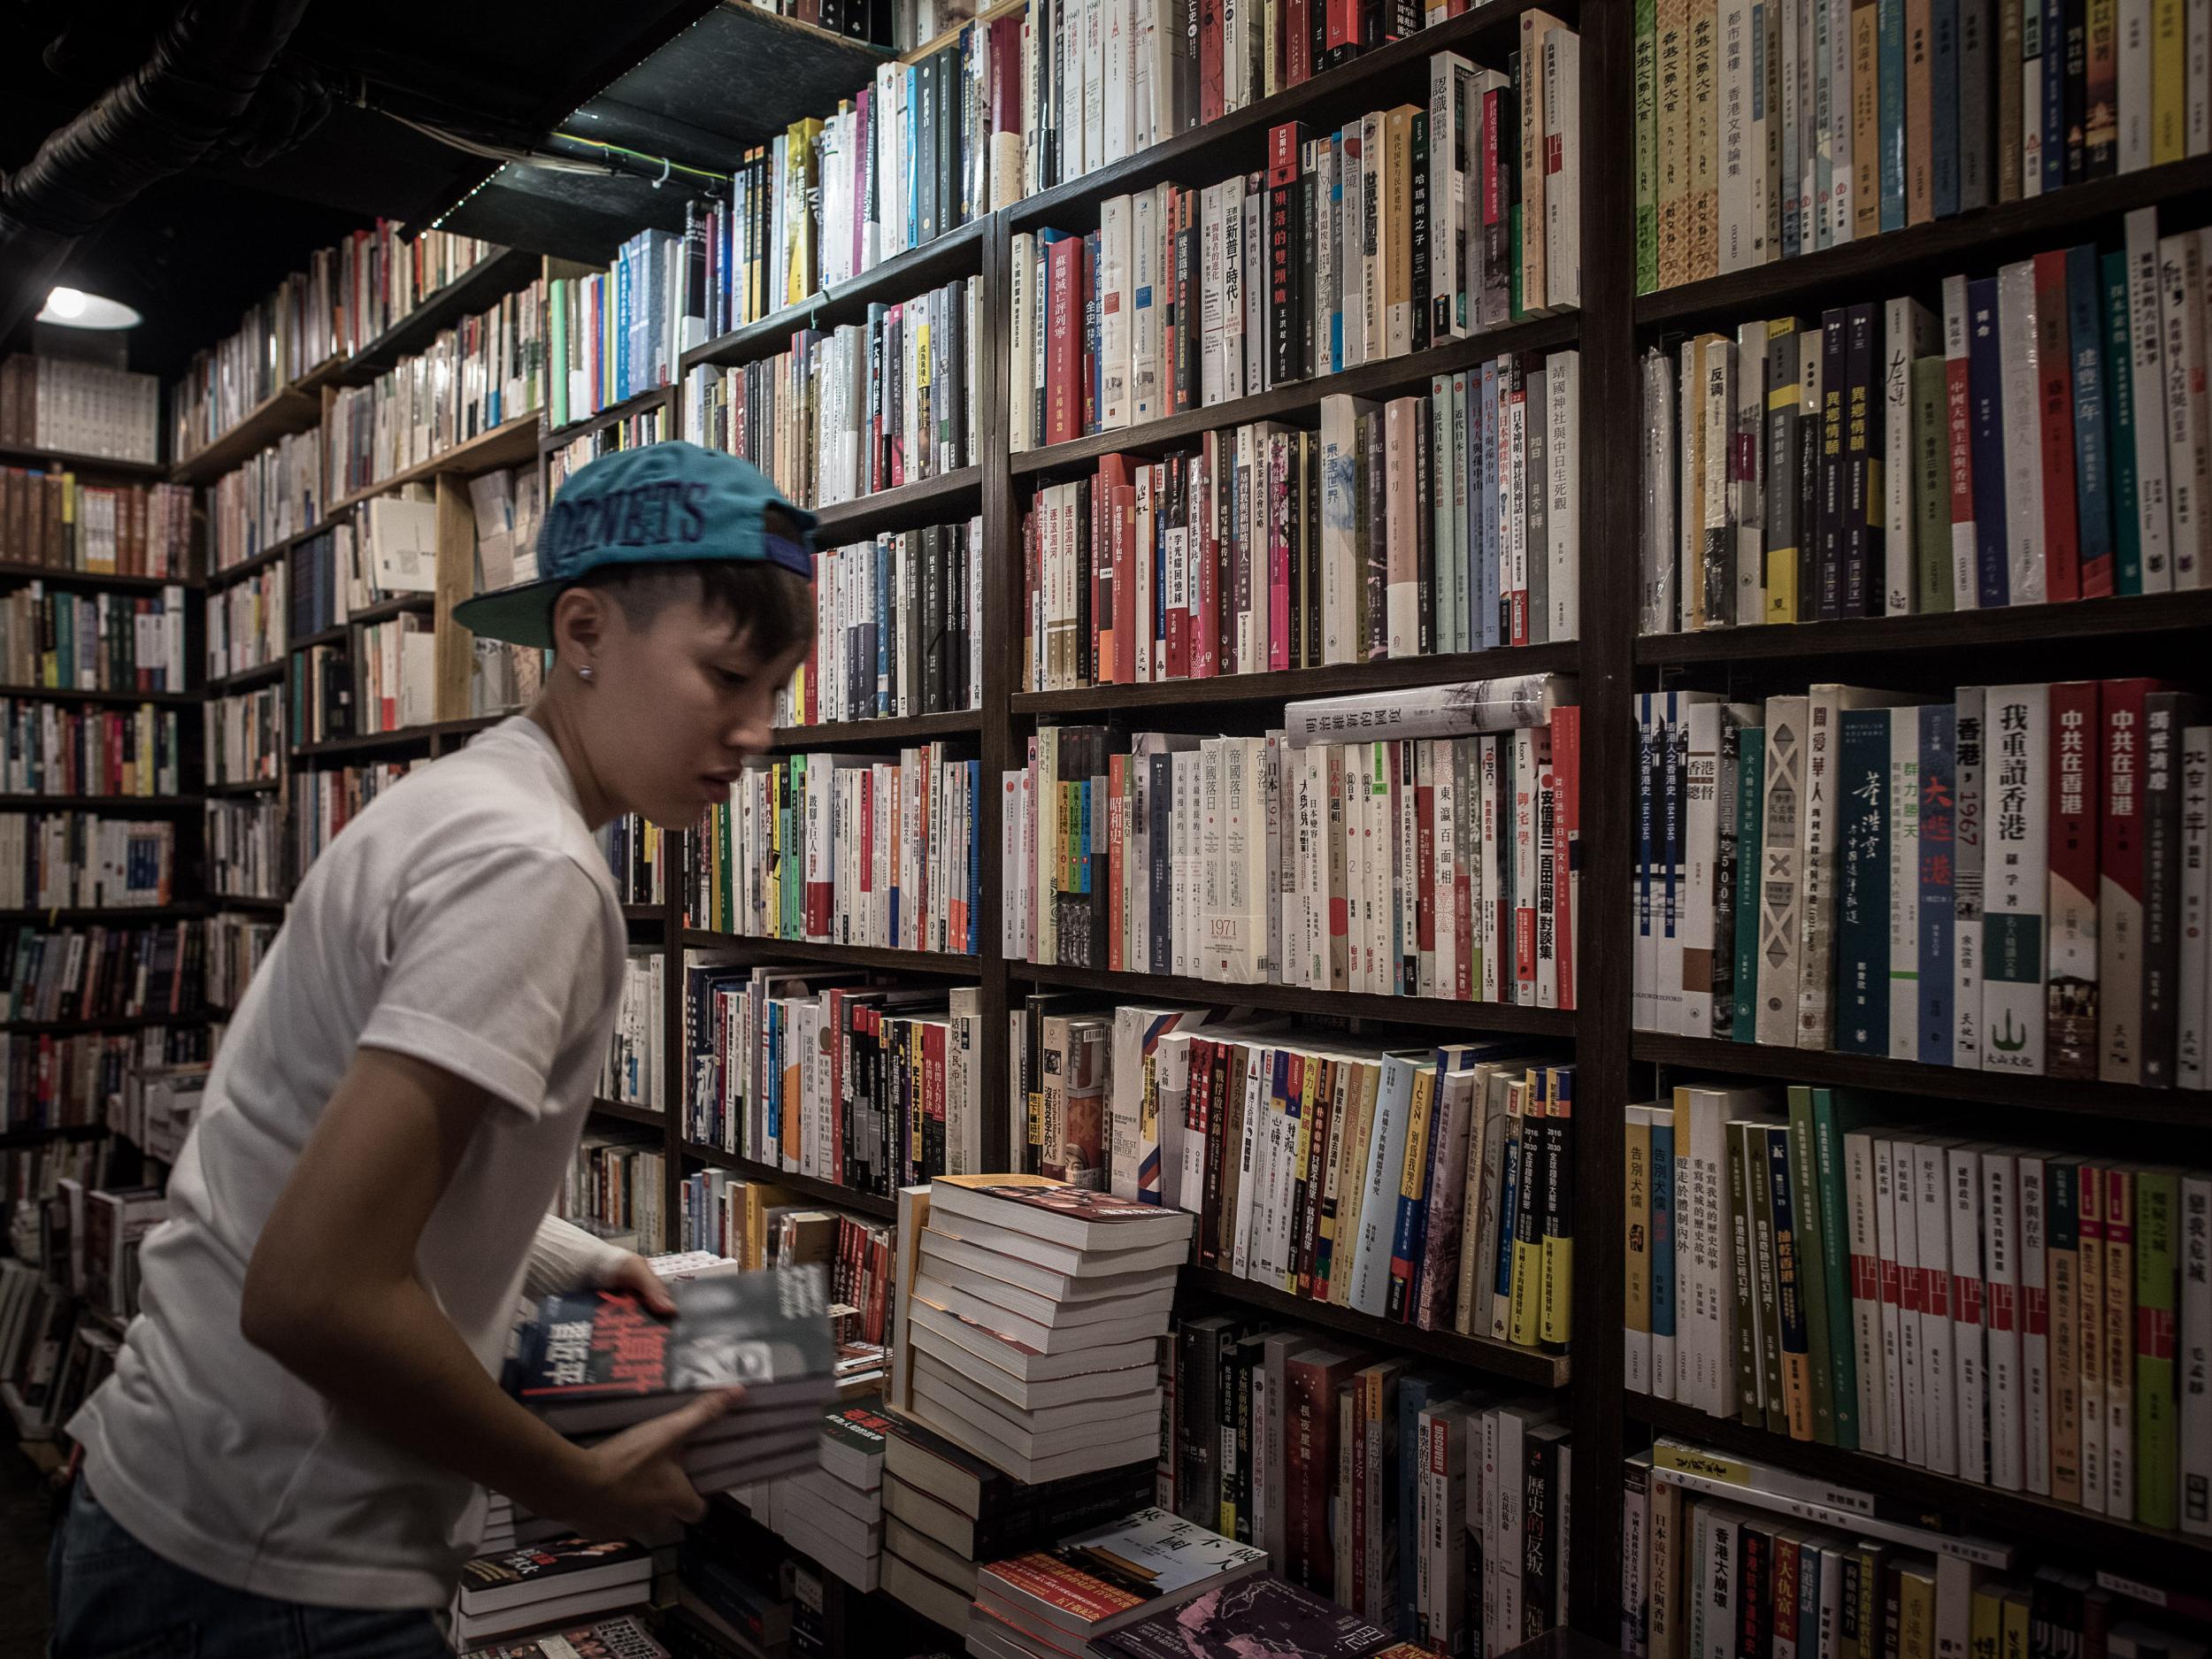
[466,917]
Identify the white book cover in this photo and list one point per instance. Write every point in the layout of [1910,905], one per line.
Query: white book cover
[1732,65]
[1146,314]
[1862,1200]
[1213,340]
[1930,1197]
[2022,431]
[1777,886]
[1379,1210]
[2035,1327]
[2001,1272]
[2090,1264]
[1901,1305]
[1909,332]
[1841,181]
[1965,585]
[1250,1157]
[1903,811]
[1117,90]
[1700,1013]
[2193,1371]
[1246,306]
[2196,908]
[1962,1184]
[2015,878]
[1563,517]
[1453,110]
[2146,388]
[1968,833]
[1321,297]
[1486,894]
[2181,338]
[1656,611]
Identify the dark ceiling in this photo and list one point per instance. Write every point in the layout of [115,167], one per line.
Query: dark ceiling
[192,252]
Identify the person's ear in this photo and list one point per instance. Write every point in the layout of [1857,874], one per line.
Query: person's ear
[582,620]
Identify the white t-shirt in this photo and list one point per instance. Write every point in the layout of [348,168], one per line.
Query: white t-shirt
[467,919]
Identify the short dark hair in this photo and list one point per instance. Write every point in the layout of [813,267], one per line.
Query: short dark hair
[770,609]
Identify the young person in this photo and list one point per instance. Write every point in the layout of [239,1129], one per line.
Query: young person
[285,1462]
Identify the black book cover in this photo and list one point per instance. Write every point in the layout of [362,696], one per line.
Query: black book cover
[1828,588]
[2166,714]
[1249,1362]
[1754,1588]
[1419,272]
[1088,500]
[933,653]
[1539,1519]
[1260,1614]
[1862,448]
[2075,25]
[1286,245]
[1229,1517]
[951,84]
[1807,480]
[1160,807]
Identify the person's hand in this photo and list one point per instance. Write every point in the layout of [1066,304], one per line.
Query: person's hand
[633,1485]
[633,1273]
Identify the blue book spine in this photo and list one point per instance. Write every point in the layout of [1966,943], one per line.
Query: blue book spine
[1943,112]
[2127,529]
[2054,92]
[1661,1248]
[618,383]
[1416,1393]
[885,628]
[1889,26]
[2093,465]
[1985,370]
[1938,837]
[1508,1208]
[1862,981]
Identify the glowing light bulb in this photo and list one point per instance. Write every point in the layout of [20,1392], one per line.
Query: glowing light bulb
[66,303]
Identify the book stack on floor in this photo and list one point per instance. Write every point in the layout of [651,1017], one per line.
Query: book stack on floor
[1256,1612]
[833,1514]
[729,1600]
[2010,878]
[946,1511]
[2007,1315]
[1766,1562]
[2039,437]
[1048,1602]
[1410,1498]
[622,1637]
[1034,1335]
[592,1362]
[553,1583]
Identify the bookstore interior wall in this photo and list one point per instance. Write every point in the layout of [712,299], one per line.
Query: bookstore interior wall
[1545,665]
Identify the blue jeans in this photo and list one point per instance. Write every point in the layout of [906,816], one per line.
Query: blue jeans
[115,1599]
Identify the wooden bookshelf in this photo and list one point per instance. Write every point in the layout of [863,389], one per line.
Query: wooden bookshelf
[54,576]
[270,555]
[247,679]
[747,947]
[511,444]
[645,915]
[113,805]
[482,286]
[107,915]
[947,498]
[557,437]
[806,1186]
[891,731]
[626,1111]
[257,786]
[107,467]
[1291,685]
[1479,1353]
[57,694]
[1503,1018]
[283,412]
[264,903]
[1951,1504]
[1867,639]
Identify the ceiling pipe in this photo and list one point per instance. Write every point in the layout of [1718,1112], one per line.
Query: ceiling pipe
[181,102]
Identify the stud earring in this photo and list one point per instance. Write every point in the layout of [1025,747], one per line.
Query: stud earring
[583,671]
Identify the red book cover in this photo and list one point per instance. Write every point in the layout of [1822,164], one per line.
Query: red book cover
[1064,305]
[1006,81]
[1179,473]
[2120,884]
[1116,871]
[1566,765]
[1286,292]
[2054,392]
[2077,787]
[1205,649]
[1297,43]
[1310,1383]
[1343,36]
[1210,107]
[1130,627]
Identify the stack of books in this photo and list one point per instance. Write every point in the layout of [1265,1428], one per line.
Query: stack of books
[1033,1340]
[623,1637]
[730,1599]
[1256,1605]
[1041,1604]
[552,1583]
[595,1362]
[834,1513]
[945,1511]
[507,1527]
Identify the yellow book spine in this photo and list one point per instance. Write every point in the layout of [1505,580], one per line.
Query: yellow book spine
[2169,112]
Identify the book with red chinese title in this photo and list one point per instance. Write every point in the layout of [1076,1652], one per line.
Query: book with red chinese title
[1100,1580]
[595,1359]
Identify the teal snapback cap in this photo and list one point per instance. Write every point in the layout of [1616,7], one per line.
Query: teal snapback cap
[666,503]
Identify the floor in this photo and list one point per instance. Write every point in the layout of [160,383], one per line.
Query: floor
[24,1511]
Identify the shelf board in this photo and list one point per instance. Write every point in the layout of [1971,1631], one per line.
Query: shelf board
[257,786]
[106,915]
[366,742]
[955,964]
[397,605]
[248,902]
[1290,685]
[1476,1353]
[2005,230]
[511,444]
[246,678]
[40,1136]
[867,734]
[116,1022]
[649,913]
[30,455]
[2141,1551]
[1819,1066]
[560,437]
[478,288]
[230,575]
[1236,142]
[823,1192]
[284,412]
[114,805]
[948,497]
[54,576]
[1872,636]
[330,635]
[957,253]
[1504,1018]
[55,694]
[602,1107]
[1386,377]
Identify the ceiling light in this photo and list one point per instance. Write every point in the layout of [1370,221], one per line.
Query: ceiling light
[72,308]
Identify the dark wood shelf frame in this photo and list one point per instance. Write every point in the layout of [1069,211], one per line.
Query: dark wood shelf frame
[948,498]
[247,679]
[11,1139]
[1291,684]
[55,576]
[2131,617]
[807,1186]
[1502,1018]
[50,459]
[891,731]
[629,1112]
[953,963]
[550,439]
[113,805]
[58,694]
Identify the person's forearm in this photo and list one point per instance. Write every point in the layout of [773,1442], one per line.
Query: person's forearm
[394,1363]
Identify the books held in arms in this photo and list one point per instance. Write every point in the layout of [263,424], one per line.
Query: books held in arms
[548,1582]
[1095,1582]
[1257,1614]
[596,1361]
